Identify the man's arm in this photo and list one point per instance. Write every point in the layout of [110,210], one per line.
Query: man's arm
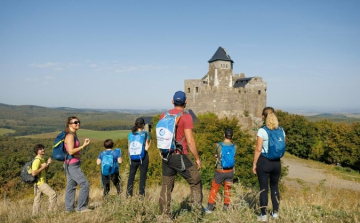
[192,145]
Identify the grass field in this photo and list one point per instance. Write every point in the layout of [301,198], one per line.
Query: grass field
[84,133]
[5,131]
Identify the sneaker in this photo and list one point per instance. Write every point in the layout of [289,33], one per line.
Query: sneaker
[208,211]
[84,210]
[262,218]
[274,215]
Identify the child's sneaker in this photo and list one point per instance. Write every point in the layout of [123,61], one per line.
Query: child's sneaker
[275,215]
[262,218]
[208,211]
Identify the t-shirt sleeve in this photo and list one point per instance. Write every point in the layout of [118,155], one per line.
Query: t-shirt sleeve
[118,152]
[100,156]
[36,164]
[188,121]
[147,135]
[129,136]
[261,133]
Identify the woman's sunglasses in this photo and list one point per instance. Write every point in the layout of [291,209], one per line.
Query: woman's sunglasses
[76,122]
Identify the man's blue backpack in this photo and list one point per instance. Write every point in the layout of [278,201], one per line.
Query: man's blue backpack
[227,155]
[59,151]
[276,147]
[109,164]
[165,132]
[137,146]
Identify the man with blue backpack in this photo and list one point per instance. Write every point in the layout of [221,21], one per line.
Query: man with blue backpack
[225,162]
[174,139]
[110,160]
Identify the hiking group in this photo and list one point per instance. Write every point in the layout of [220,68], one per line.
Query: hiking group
[175,139]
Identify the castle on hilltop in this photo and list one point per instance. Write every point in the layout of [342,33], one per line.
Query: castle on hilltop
[225,94]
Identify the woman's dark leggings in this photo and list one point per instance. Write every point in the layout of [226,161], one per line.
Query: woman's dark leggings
[143,164]
[268,169]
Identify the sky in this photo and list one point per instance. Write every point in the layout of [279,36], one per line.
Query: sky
[136,54]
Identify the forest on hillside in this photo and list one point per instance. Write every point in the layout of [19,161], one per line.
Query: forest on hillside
[29,119]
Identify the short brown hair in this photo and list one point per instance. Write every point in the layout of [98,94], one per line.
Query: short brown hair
[108,144]
[37,147]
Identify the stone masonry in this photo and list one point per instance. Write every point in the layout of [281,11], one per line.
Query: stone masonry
[225,94]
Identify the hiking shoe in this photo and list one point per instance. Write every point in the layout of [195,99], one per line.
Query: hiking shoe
[84,210]
[208,211]
[262,218]
[274,215]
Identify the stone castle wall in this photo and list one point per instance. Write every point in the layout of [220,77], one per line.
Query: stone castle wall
[245,103]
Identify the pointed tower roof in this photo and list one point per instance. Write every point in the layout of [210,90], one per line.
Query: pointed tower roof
[221,54]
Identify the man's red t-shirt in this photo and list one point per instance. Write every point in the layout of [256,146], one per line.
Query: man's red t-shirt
[185,122]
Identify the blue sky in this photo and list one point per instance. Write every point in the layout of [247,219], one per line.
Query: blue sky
[136,54]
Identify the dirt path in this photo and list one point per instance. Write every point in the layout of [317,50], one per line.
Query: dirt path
[314,176]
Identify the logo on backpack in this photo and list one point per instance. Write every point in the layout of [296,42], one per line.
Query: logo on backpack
[227,155]
[276,147]
[59,151]
[26,173]
[165,132]
[137,146]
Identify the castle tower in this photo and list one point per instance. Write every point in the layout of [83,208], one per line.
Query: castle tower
[220,69]
[226,95]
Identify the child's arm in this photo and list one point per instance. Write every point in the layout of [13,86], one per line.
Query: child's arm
[119,159]
[98,161]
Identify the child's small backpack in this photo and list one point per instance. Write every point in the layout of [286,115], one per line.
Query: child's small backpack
[276,147]
[137,146]
[26,173]
[107,163]
[227,155]
[165,132]
[59,151]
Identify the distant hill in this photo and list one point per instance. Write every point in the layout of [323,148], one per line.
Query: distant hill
[30,119]
[335,117]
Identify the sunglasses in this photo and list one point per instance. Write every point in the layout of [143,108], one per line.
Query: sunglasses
[76,122]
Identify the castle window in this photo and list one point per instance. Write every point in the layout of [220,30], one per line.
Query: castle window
[240,91]
[197,89]
[259,92]
[188,90]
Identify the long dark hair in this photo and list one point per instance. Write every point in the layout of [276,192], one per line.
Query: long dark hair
[139,124]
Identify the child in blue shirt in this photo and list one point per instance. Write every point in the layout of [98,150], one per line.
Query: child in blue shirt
[117,159]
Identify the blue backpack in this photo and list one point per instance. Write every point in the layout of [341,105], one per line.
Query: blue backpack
[109,164]
[137,146]
[59,151]
[165,132]
[227,155]
[276,147]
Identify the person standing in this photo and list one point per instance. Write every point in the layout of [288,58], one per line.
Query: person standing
[175,162]
[266,168]
[40,168]
[224,170]
[74,175]
[138,161]
[116,160]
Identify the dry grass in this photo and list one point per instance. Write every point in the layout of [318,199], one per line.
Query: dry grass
[301,203]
